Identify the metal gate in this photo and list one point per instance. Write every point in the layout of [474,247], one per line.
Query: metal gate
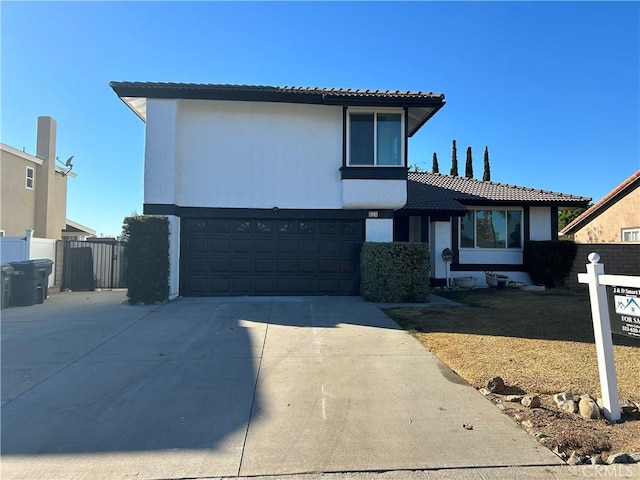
[88,265]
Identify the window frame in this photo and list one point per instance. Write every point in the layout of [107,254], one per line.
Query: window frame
[630,230]
[375,111]
[506,211]
[31,177]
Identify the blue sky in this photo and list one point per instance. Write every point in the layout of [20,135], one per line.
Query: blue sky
[553,88]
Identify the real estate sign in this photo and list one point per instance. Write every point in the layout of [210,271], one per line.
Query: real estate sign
[624,311]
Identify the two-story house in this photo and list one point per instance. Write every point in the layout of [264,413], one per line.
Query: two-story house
[614,218]
[34,189]
[272,190]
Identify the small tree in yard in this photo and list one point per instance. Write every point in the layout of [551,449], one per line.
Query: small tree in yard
[468,170]
[486,176]
[434,167]
[454,161]
[565,217]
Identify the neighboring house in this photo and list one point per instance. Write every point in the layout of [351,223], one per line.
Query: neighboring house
[33,188]
[484,224]
[272,190]
[615,218]
[77,231]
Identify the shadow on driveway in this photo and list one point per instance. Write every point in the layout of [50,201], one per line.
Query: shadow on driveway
[84,372]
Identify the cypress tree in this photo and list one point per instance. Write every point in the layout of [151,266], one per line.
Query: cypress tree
[486,176]
[434,166]
[454,161]
[468,170]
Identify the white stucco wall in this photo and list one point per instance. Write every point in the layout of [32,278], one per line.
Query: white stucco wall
[490,255]
[540,223]
[379,230]
[259,155]
[370,194]
[161,159]
[174,256]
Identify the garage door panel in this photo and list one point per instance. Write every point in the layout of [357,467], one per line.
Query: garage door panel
[307,266]
[328,266]
[263,286]
[264,266]
[219,286]
[270,257]
[330,247]
[241,246]
[285,266]
[219,266]
[287,246]
[198,265]
[219,245]
[264,246]
[308,247]
[198,245]
[241,265]
[348,267]
[198,286]
[241,286]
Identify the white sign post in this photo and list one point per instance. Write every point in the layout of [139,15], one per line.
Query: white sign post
[597,281]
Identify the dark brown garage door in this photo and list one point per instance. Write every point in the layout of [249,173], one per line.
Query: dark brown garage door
[270,257]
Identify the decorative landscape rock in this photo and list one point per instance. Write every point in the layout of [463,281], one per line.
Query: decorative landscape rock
[596,460]
[588,408]
[565,402]
[531,401]
[484,391]
[620,458]
[528,424]
[495,385]
[628,408]
[576,459]
[513,398]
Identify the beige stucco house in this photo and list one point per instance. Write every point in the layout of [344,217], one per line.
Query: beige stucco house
[33,190]
[615,218]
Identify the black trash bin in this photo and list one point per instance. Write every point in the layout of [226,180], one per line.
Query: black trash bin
[7,273]
[30,281]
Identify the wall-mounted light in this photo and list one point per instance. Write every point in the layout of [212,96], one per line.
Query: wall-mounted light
[275,210]
[68,165]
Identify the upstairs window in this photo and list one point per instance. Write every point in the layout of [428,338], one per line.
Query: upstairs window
[491,229]
[631,234]
[375,138]
[30,178]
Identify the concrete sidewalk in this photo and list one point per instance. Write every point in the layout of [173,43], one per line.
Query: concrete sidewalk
[228,387]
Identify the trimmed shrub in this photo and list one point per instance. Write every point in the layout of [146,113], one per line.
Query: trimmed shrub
[147,254]
[394,272]
[549,262]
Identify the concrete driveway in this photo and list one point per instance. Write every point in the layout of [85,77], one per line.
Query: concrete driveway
[212,387]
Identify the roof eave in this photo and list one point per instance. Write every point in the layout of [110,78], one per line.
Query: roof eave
[134,96]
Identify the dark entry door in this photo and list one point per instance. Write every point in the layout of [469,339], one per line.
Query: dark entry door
[249,256]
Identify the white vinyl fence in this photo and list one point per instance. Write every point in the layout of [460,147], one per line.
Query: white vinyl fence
[18,249]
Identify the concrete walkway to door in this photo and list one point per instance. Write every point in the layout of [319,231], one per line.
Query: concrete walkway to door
[226,387]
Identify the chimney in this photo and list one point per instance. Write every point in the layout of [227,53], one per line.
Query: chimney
[44,187]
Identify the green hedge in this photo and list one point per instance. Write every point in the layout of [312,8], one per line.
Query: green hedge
[394,272]
[147,255]
[549,262]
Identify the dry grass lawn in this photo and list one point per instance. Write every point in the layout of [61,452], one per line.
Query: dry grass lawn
[539,342]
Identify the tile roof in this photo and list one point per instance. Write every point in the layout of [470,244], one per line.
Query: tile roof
[609,199]
[421,106]
[434,191]
[150,87]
